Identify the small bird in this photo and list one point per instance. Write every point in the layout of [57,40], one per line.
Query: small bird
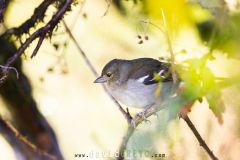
[134,83]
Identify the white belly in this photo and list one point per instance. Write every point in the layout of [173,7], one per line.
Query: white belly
[135,94]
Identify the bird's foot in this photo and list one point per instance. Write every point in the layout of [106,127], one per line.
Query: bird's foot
[141,115]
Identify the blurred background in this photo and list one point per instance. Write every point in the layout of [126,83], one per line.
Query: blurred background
[84,118]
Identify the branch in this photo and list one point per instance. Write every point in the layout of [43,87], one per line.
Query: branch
[7,127]
[38,16]
[40,41]
[108,7]
[123,145]
[130,130]
[40,33]
[86,59]
[199,138]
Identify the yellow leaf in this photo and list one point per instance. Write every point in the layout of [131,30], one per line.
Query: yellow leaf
[176,12]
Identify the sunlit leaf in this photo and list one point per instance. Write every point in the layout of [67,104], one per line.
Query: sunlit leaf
[176,12]
[216,104]
[201,82]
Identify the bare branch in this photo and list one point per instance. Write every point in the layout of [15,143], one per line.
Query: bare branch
[80,50]
[38,16]
[109,2]
[125,114]
[199,138]
[7,127]
[47,29]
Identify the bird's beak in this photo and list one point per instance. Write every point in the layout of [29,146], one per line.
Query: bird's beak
[100,79]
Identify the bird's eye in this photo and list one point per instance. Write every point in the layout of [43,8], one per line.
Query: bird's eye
[109,74]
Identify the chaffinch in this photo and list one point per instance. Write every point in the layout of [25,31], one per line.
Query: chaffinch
[134,82]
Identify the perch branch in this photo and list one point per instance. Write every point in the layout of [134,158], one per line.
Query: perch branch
[86,59]
[148,113]
[130,130]
[10,129]
[123,145]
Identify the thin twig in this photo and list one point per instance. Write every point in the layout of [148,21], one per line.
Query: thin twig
[199,138]
[109,2]
[40,41]
[156,26]
[174,75]
[86,59]
[10,129]
[82,4]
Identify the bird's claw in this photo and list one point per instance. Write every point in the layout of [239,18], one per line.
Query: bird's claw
[142,115]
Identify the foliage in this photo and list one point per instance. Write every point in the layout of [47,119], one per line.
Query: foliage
[218,27]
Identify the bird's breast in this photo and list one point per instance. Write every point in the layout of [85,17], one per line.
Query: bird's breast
[135,94]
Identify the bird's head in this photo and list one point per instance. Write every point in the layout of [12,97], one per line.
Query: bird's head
[111,72]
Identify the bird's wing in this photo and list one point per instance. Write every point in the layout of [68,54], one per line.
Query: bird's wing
[146,71]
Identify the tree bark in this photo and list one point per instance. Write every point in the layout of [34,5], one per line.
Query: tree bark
[17,93]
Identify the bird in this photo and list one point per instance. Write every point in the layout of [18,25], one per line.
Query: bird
[135,82]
